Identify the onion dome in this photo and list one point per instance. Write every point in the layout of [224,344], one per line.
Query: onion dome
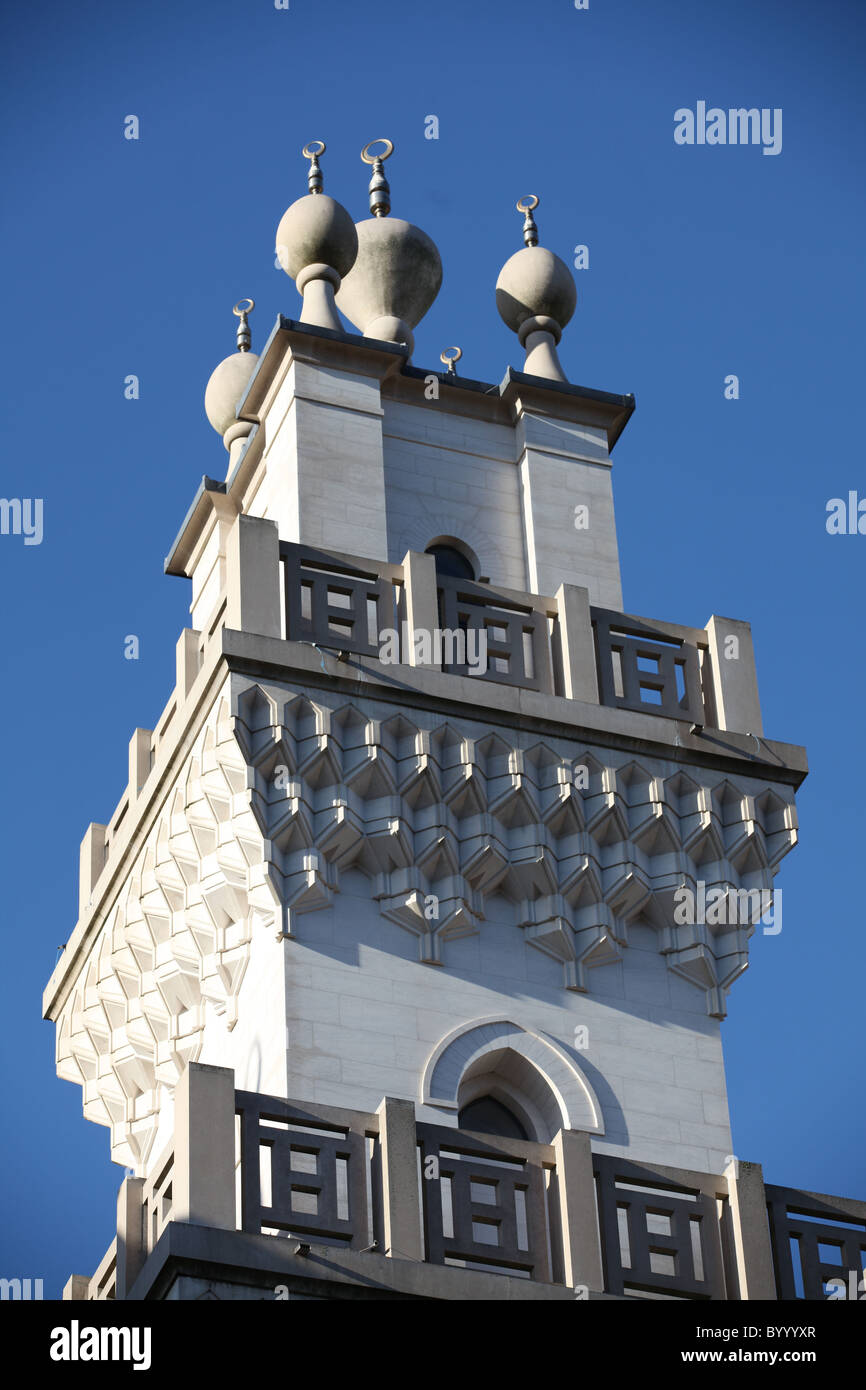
[536,296]
[229,381]
[317,245]
[398,272]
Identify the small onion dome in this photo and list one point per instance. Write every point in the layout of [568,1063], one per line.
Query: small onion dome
[227,388]
[228,382]
[316,230]
[536,297]
[317,245]
[398,272]
[535,283]
[395,279]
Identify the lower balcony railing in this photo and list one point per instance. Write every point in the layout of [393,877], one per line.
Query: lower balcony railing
[552,1213]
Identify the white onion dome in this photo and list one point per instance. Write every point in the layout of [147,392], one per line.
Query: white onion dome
[398,271]
[317,245]
[229,381]
[536,296]
[316,230]
[395,279]
[227,388]
[535,283]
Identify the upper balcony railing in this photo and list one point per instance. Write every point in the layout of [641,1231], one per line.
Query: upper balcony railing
[386,614]
[361,607]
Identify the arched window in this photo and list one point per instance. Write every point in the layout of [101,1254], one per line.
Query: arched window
[451,562]
[489,1116]
[531,1076]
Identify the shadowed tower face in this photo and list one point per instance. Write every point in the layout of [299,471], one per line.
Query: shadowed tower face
[409,854]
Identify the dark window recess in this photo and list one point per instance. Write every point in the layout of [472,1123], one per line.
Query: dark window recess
[489,1116]
[451,562]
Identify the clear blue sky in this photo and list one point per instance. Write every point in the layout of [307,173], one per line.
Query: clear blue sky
[125,257]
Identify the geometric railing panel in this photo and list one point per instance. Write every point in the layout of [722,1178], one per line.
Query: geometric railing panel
[644,669]
[156,1201]
[484,1206]
[815,1240]
[300,1174]
[333,603]
[515,635]
[657,1236]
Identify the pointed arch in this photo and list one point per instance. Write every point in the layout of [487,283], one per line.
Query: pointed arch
[527,1071]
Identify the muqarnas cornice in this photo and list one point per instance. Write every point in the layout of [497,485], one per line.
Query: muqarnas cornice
[439,820]
[281,793]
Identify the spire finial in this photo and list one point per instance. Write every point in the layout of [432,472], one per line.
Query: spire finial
[241,309]
[380,191]
[528,206]
[311,151]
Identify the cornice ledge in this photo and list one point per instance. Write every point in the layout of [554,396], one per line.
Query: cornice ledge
[627,730]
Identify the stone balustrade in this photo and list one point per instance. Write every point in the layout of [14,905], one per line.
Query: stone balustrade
[364,1197]
[561,645]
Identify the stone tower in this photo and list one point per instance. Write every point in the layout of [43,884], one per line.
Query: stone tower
[387,948]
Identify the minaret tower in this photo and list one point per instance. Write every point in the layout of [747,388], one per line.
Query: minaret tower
[387,949]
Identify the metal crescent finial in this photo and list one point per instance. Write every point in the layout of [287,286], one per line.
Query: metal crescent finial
[244,338]
[369,158]
[527,205]
[451,362]
[315,181]
[380,191]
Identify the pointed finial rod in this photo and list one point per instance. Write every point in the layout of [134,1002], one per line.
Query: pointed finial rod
[311,151]
[380,191]
[241,309]
[528,205]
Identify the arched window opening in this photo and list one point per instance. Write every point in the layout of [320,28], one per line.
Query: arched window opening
[451,562]
[486,1115]
[533,1078]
